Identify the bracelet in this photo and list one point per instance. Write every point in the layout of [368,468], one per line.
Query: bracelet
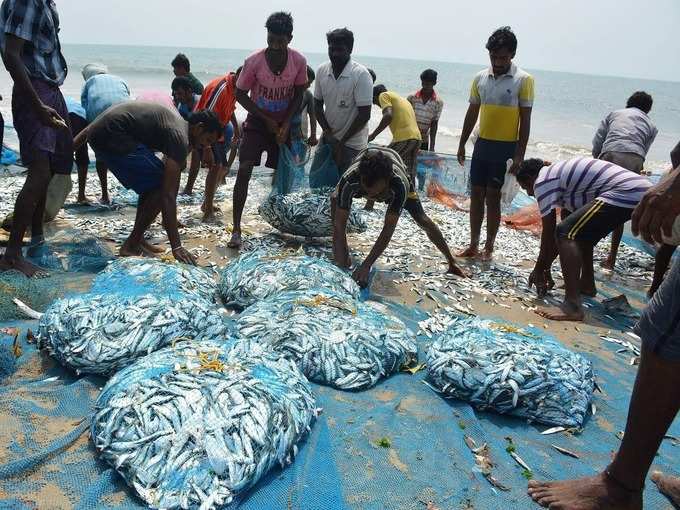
[176,248]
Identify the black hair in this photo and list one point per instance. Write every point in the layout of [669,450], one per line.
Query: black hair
[181,82]
[341,36]
[280,23]
[238,71]
[211,123]
[640,100]
[529,169]
[181,60]
[372,73]
[429,75]
[378,89]
[375,166]
[311,75]
[503,37]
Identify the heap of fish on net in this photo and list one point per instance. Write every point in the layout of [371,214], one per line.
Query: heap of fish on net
[196,424]
[334,339]
[501,368]
[258,275]
[139,275]
[306,213]
[99,334]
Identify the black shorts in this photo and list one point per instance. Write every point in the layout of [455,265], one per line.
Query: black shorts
[77,125]
[413,205]
[487,174]
[593,222]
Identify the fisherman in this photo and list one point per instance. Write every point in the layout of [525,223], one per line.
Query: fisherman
[126,137]
[398,114]
[31,51]
[219,96]
[100,92]
[380,174]
[624,137]
[182,67]
[184,96]
[600,196]
[343,100]
[655,401]
[276,77]
[428,107]
[502,97]
[303,123]
[665,251]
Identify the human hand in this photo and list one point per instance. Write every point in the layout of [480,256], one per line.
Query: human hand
[538,278]
[655,214]
[514,168]
[50,118]
[184,256]
[461,155]
[312,141]
[235,141]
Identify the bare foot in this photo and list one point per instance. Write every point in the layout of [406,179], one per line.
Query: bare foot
[215,209]
[83,200]
[566,312]
[151,248]
[470,252]
[594,493]
[487,255]
[589,290]
[609,263]
[209,217]
[105,200]
[24,266]
[669,486]
[235,241]
[130,251]
[455,269]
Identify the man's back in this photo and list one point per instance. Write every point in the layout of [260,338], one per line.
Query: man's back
[404,125]
[101,92]
[628,130]
[219,96]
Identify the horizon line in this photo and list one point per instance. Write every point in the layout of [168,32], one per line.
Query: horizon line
[410,59]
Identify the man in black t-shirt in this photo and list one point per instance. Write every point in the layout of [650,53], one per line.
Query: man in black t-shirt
[379,174]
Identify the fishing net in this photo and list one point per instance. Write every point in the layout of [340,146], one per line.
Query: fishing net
[306,213]
[260,274]
[527,218]
[197,424]
[72,251]
[141,275]
[37,293]
[323,172]
[99,334]
[290,171]
[501,368]
[334,339]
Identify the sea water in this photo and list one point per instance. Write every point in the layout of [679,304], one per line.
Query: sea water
[567,109]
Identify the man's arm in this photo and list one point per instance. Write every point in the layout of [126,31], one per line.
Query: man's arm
[433,133]
[650,140]
[293,108]
[234,123]
[169,189]
[244,100]
[12,58]
[311,112]
[363,271]
[321,119]
[468,125]
[387,117]
[547,254]
[654,216]
[599,138]
[675,156]
[81,138]
[524,130]
[361,119]
[340,247]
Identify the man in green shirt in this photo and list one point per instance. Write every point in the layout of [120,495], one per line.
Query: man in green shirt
[182,67]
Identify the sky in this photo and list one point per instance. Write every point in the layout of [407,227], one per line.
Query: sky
[627,38]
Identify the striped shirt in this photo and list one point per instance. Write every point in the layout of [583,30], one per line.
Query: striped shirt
[37,23]
[396,194]
[426,112]
[219,96]
[101,92]
[500,98]
[573,183]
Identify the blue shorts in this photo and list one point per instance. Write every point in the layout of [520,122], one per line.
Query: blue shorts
[489,163]
[659,326]
[221,149]
[140,170]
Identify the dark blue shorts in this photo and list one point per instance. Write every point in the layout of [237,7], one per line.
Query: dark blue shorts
[140,170]
[489,163]
[221,149]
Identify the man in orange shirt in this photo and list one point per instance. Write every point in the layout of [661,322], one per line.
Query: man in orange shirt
[219,97]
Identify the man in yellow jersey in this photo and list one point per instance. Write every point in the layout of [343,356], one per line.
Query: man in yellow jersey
[501,97]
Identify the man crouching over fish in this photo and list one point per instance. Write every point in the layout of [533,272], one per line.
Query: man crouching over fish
[126,137]
[379,174]
[598,196]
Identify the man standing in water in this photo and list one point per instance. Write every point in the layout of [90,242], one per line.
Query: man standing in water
[126,137]
[502,97]
[31,51]
[276,77]
[343,95]
[624,138]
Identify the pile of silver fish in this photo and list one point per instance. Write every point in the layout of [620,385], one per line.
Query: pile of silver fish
[99,334]
[197,424]
[306,213]
[502,368]
[334,339]
[141,275]
[258,275]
